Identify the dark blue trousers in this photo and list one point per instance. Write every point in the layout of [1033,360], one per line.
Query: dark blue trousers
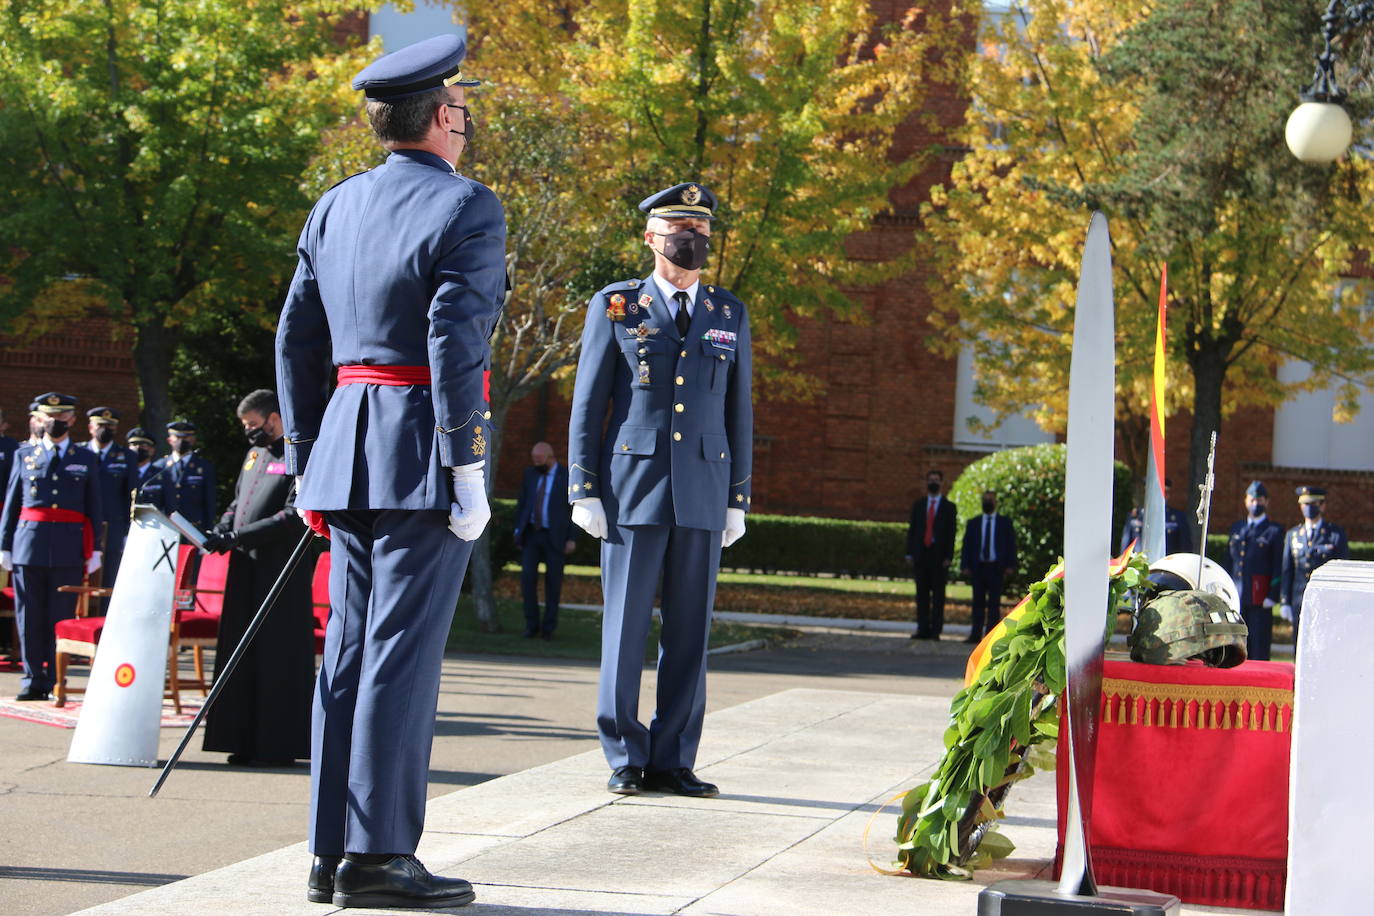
[393,587]
[987,598]
[38,607]
[633,561]
[538,547]
[1260,622]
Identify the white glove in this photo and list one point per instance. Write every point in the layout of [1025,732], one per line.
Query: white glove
[469,513]
[6,561]
[300,482]
[1286,612]
[93,563]
[734,527]
[588,515]
[1268,602]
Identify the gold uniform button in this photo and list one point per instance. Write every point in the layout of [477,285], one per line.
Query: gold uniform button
[683,354]
[477,430]
[677,437]
[678,380]
[487,415]
[54,505]
[722,356]
[642,351]
[679,408]
[624,448]
[722,454]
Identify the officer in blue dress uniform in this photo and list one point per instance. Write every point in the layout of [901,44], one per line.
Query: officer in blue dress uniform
[117,464]
[1256,547]
[1178,536]
[188,480]
[148,474]
[47,537]
[665,368]
[1307,546]
[399,285]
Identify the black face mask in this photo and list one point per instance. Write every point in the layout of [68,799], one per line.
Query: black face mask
[258,437]
[467,131]
[56,428]
[1257,510]
[1311,510]
[687,249]
[933,487]
[144,454]
[104,435]
[181,446]
[989,506]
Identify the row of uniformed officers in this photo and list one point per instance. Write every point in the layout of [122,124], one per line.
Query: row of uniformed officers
[66,512]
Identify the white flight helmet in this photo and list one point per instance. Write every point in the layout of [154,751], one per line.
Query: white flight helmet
[1179,571]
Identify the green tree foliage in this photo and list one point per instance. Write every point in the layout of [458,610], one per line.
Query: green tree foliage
[787,110]
[151,156]
[1029,483]
[1169,118]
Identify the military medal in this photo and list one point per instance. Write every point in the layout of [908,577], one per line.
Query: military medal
[643,372]
[645,300]
[616,310]
[634,308]
[252,460]
[725,310]
[643,330]
[709,306]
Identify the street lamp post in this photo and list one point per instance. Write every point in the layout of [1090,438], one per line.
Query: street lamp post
[1319,129]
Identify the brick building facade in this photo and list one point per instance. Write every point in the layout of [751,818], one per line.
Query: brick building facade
[859,448]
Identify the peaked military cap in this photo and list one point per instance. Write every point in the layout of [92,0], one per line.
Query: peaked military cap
[415,68]
[181,428]
[1311,494]
[105,416]
[1256,489]
[687,200]
[52,402]
[139,434]
[34,411]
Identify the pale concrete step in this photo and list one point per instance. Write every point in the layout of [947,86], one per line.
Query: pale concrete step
[802,774]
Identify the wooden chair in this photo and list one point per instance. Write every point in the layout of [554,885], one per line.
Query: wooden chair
[195,623]
[319,599]
[81,634]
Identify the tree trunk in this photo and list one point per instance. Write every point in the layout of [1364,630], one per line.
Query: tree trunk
[1133,431]
[1209,372]
[153,363]
[480,570]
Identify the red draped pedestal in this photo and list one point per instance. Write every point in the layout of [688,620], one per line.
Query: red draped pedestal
[1191,789]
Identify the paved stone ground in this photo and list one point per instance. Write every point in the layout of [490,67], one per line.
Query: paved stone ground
[78,835]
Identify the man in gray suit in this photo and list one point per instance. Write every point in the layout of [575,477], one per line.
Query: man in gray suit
[399,284]
[665,368]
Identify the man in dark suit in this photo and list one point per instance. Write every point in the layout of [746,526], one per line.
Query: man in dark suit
[544,534]
[989,554]
[929,550]
[47,537]
[400,281]
[263,713]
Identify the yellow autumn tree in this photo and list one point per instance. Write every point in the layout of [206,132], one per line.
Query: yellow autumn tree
[1168,117]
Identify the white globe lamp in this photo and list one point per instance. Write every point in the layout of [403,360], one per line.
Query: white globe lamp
[1318,132]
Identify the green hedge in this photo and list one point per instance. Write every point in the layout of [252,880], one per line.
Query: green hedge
[1029,483]
[1218,551]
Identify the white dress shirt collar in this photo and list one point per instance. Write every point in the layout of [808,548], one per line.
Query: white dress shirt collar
[666,291]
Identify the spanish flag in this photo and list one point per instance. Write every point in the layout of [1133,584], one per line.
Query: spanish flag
[982,652]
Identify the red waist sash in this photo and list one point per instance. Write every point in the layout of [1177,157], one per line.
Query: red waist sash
[70,516]
[397,375]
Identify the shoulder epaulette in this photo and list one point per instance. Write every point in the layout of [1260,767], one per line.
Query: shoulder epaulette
[622,285]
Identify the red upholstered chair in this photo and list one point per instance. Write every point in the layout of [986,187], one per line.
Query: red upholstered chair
[319,598]
[195,622]
[81,634]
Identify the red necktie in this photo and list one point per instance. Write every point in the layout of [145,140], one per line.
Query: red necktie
[930,522]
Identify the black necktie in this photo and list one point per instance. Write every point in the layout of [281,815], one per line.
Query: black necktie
[683,319]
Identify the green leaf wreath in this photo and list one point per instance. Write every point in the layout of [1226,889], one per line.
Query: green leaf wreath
[1002,729]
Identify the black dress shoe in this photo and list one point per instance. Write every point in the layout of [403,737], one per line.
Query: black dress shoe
[320,887]
[239,760]
[626,780]
[400,882]
[680,781]
[32,693]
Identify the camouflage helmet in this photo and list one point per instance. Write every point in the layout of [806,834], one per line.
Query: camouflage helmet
[1184,624]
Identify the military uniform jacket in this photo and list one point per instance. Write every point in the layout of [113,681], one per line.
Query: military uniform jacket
[186,486]
[40,480]
[678,444]
[148,483]
[1302,555]
[1256,559]
[118,470]
[403,265]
